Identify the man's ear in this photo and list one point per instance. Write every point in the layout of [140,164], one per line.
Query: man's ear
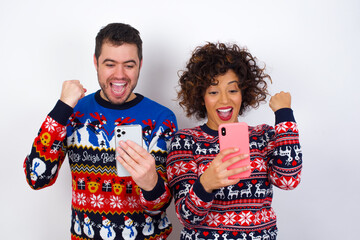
[140,64]
[95,62]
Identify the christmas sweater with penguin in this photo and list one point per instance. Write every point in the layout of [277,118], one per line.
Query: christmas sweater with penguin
[104,205]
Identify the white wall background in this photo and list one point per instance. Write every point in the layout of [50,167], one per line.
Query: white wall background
[311,48]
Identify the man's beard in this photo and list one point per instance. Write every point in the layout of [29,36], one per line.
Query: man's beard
[107,85]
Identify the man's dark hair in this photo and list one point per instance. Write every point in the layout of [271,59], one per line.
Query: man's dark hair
[118,34]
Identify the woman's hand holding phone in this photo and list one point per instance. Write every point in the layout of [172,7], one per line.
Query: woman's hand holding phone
[217,174]
[236,135]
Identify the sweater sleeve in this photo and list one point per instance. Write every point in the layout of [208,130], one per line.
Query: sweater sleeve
[47,154]
[284,151]
[159,198]
[192,202]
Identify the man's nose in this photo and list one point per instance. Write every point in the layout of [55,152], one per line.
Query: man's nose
[119,72]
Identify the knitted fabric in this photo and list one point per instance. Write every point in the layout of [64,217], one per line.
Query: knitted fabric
[243,210]
[104,206]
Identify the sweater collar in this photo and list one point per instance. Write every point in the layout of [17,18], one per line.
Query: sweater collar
[123,106]
[209,131]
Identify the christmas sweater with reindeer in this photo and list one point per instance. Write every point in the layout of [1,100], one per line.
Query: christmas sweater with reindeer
[243,210]
[105,206]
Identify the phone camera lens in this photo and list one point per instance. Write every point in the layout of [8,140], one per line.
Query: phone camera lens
[223,131]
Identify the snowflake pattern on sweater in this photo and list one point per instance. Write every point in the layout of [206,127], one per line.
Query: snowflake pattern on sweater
[243,210]
[104,206]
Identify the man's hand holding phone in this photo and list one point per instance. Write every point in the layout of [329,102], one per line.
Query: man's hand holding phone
[139,163]
[132,159]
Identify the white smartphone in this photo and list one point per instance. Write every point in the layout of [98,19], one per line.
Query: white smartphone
[126,132]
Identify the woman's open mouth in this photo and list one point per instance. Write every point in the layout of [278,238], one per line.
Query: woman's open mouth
[225,114]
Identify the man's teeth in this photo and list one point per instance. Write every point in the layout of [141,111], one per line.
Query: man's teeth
[119,84]
[118,87]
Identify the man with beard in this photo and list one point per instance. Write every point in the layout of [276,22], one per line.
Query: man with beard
[83,128]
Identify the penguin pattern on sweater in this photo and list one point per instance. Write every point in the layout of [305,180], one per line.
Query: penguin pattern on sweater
[104,206]
[243,210]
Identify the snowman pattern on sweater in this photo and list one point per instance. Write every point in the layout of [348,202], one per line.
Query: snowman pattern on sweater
[107,230]
[77,225]
[148,226]
[86,137]
[88,227]
[129,231]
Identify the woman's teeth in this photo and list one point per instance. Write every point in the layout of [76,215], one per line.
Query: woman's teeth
[224,110]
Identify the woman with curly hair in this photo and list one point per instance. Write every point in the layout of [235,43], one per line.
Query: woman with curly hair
[219,84]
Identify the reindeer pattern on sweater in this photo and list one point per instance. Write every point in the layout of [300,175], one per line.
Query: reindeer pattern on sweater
[243,210]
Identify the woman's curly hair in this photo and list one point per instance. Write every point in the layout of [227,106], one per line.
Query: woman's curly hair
[214,59]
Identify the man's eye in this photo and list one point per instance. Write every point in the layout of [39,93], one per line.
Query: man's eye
[129,66]
[110,65]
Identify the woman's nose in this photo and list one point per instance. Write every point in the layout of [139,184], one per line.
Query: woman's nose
[224,98]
